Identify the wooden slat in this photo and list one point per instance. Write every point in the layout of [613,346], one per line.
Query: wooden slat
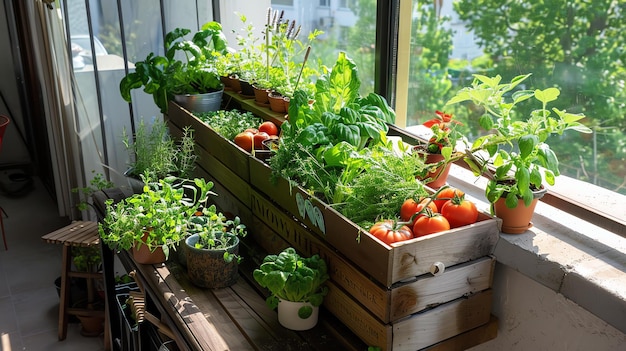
[468,339]
[80,233]
[249,104]
[448,320]
[215,329]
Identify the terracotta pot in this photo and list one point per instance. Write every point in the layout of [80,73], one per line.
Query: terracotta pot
[91,326]
[226,82]
[516,220]
[277,103]
[286,100]
[207,268]
[288,315]
[440,174]
[234,84]
[143,254]
[260,95]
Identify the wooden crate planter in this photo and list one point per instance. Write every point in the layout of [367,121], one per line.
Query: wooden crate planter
[386,304]
[385,294]
[417,331]
[386,264]
[228,153]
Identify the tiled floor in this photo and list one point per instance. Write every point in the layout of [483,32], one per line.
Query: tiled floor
[28,297]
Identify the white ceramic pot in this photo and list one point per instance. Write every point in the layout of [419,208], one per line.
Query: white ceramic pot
[289,315]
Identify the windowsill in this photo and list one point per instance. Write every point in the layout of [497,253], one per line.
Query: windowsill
[581,261]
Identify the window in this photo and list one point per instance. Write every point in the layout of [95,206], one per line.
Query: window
[350,30]
[578,51]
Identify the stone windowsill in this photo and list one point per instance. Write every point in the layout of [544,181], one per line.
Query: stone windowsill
[581,261]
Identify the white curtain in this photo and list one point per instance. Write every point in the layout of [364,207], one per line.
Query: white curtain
[55,76]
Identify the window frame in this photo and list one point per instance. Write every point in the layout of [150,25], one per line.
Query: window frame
[392,60]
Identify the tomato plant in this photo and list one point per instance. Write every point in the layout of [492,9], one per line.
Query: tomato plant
[268,127]
[446,194]
[245,140]
[459,211]
[390,231]
[429,224]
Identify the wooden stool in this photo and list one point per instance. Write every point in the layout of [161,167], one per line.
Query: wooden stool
[78,233]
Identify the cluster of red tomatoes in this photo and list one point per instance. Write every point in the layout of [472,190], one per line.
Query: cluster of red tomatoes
[446,209]
[254,137]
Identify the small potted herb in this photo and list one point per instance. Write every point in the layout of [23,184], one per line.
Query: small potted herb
[155,220]
[154,154]
[297,287]
[212,248]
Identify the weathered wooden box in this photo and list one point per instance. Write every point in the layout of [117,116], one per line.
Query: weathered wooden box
[225,151]
[386,264]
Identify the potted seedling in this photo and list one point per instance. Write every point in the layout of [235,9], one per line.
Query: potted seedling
[515,155]
[193,81]
[296,285]
[155,154]
[439,149]
[212,248]
[154,221]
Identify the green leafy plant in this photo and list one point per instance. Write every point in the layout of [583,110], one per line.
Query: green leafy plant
[215,231]
[321,145]
[288,276]
[98,182]
[229,123]
[155,154]
[86,258]
[166,76]
[163,211]
[284,50]
[518,158]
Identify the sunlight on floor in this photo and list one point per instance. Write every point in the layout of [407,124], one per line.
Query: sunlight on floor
[5,342]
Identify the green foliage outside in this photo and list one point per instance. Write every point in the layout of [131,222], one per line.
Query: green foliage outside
[573,45]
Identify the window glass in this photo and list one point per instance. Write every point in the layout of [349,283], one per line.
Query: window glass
[578,50]
[282,2]
[352,29]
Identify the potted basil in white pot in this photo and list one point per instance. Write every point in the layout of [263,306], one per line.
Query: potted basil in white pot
[297,287]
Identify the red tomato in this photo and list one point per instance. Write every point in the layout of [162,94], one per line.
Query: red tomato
[258,140]
[447,194]
[268,127]
[252,130]
[434,223]
[390,232]
[459,212]
[245,140]
[410,207]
